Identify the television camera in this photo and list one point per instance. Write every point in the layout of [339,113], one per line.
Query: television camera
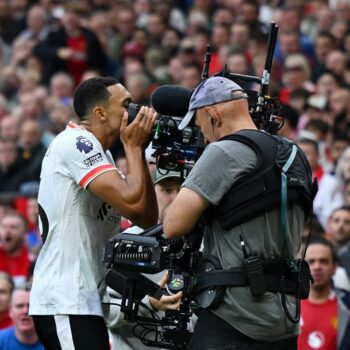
[178,150]
[129,256]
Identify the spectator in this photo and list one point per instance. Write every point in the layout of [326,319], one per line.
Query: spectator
[123,21]
[22,335]
[338,30]
[98,24]
[32,150]
[346,43]
[175,68]
[240,35]
[223,16]
[31,107]
[187,52]
[191,76]
[9,128]
[170,42]
[288,41]
[336,63]
[13,19]
[59,116]
[324,43]
[4,107]
[196,21]
[155,27]
[35,33]
[297,100]
[70,48]
[170,13]
[237,62]
[311,150]
[296,75]
[324,316]
[14,257]
[6,288]
[61,88]
[37,29]
[291,19]
[139,87]
[290,121]
[142,9]
[344,257]
[326,84]
[339,227]
[12,173]
[315,109]
[324,19]
[250,14]
[321,129]
[331,189]
[339,142]
[338,106]
[33,237]
[5,206]
[220,36]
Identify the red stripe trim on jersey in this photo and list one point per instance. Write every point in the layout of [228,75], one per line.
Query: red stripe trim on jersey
[93,173]
[71,125]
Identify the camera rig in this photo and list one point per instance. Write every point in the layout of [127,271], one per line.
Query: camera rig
[179,149]
[130,255]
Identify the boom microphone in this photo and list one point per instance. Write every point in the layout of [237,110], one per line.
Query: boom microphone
[171,100]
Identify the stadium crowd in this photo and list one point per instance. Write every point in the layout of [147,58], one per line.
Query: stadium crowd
[47,47]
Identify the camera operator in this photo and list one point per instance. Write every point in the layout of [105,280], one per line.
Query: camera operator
[246,316]
[82,197]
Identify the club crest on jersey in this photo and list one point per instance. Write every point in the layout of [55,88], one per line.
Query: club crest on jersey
[84,145]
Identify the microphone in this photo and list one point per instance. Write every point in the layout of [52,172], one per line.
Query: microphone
[171,100]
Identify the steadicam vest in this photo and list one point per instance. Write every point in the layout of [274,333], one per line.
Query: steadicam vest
[260,190]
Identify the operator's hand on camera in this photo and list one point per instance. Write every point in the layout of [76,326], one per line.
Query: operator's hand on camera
[166,302]
[138,132]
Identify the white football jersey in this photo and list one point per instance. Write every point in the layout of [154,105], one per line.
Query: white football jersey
[74,224]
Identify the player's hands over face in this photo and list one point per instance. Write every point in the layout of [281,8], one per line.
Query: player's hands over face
[166,302]
[138,132]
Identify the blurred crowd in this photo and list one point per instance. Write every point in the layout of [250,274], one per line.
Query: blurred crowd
[47,47]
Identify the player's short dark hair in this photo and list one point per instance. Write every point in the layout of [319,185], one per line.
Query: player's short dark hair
[90,92]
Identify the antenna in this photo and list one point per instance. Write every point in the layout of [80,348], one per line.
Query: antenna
[268,64]
[207,58]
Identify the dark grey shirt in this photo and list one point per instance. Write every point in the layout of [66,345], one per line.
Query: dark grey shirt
[219,167]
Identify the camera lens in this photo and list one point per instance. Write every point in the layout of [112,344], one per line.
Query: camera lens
[133,109]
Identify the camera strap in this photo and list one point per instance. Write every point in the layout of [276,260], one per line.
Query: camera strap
[219,278]
[238,278]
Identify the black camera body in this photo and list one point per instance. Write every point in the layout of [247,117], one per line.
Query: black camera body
[174,149]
